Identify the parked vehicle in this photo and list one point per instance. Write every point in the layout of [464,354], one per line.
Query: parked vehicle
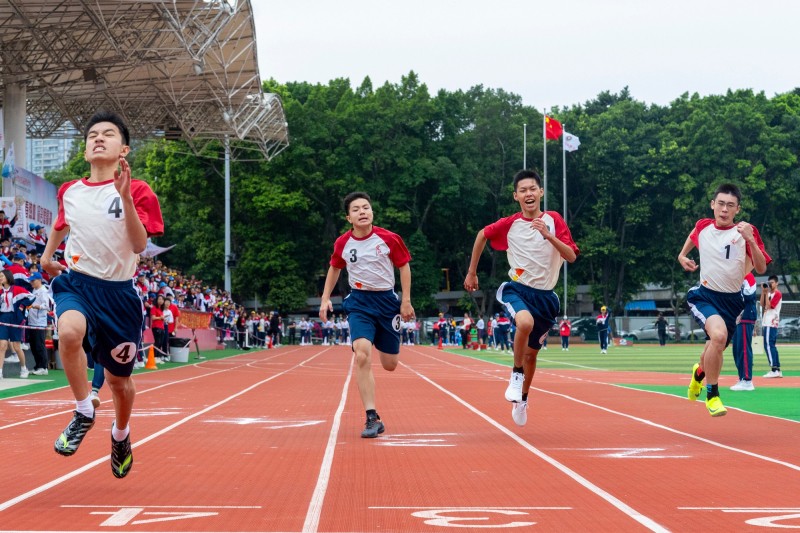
[650,333]
[586,328]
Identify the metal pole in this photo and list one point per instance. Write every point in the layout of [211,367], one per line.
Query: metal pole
[524,146]
[564,192]
[227,214]
[544,156]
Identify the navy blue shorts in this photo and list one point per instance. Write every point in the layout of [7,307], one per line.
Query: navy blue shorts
[113,313]
[375,316]
[705,303]
[543,305]
[9,333]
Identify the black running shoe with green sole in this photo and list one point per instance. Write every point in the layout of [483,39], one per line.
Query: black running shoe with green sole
[67,443]
[372,428]
[121,457]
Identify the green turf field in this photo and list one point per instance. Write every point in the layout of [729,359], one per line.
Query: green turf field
[56,378]
[782,402]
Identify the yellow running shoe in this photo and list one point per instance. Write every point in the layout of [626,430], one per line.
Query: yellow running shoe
[694,386]
[715,407]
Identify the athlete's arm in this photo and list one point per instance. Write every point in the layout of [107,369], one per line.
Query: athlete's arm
[53,268]
[565,250]
[687,264]
[406,310]
[325,304]
[471,281]
[137,234]
[759,261]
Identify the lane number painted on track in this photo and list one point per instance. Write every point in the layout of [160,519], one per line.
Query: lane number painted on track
[119,516]
[418,439]
[474,517]
[774,517]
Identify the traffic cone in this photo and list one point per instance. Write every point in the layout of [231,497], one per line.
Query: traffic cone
[151,359]
[440,344]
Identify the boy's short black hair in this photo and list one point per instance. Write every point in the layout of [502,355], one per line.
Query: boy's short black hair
[773,278]
[729,188]
[354,196]
[525,175]
[108,116]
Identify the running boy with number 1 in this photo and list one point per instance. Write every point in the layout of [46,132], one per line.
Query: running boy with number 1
[728,251]
[537,243]
[108,217]
[370,255]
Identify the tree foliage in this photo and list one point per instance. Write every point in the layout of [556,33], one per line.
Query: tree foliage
[439,168]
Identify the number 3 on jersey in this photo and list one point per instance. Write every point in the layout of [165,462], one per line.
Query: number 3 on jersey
[353,255]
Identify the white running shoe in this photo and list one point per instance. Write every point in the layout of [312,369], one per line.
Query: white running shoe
[770,374]
[514,390]
[13,358]
[40,372]
[519,412]
[747,385]
[95,399]
[738,385]
[23,372]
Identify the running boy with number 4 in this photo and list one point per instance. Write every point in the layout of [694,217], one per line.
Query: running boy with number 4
[537,243]
[109,217]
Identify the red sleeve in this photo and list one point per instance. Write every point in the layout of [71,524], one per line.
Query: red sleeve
[61,221]
[760,245]
[337,259]
[147,207]
[776,299]
[497,232]
[562,232]
[398,252]
[700,226]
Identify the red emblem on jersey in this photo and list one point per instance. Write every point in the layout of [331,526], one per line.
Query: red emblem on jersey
[358,285]
[75,259]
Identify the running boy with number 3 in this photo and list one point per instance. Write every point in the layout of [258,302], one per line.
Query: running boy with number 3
[370,254]
[109,217]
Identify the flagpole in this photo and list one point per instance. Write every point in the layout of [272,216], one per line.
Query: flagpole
[524,146]
[564,192]
[544,156]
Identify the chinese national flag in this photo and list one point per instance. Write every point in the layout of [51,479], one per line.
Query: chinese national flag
[552,128]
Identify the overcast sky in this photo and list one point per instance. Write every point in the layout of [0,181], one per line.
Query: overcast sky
[552,53]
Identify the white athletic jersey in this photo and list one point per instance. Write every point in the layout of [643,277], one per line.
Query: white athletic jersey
[772,317]
[725,256]
[98,243]
[370,260]
[534,260]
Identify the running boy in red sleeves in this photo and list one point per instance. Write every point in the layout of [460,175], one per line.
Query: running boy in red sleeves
[109,217]
[370,254]
[728,251]
[537,243]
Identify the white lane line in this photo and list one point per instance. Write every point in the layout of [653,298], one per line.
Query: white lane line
[318,497]
[143,391]
[632,417]
[626,509]
[43,488]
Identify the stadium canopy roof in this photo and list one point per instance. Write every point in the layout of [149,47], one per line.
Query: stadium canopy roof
[170,67]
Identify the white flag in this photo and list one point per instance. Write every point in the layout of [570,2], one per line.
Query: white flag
[571,142]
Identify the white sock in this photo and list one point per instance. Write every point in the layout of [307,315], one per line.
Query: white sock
[119,434]
[85,407]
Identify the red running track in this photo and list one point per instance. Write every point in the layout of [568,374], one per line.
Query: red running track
[269,441]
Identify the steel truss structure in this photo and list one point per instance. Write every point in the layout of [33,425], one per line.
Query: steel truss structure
[183,68]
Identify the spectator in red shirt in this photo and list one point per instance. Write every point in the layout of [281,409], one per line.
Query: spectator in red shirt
[565,329]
